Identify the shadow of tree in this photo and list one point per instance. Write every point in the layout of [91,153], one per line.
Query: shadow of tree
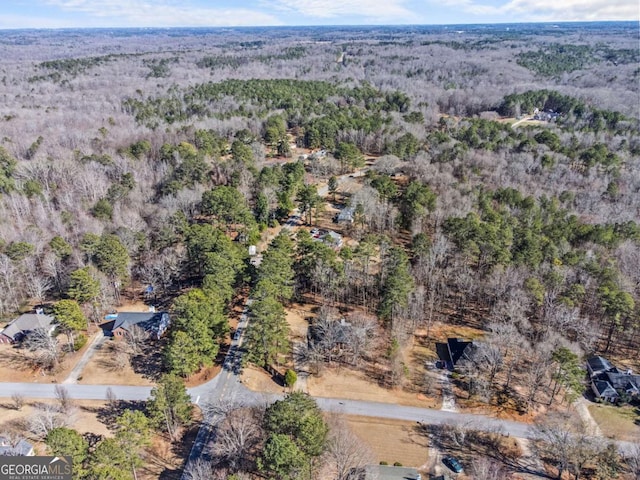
[466,443]
[108,413]
[150,361]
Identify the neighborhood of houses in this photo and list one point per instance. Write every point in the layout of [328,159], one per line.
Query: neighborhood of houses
[608,383]
[117,325]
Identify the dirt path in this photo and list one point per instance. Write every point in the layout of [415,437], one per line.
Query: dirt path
[97,340]
[531,466]
[448,398]
[585,415]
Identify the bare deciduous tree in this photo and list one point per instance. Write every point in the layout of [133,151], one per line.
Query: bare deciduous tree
[44,349]
[565,443]
[200,469]
[18,401]
[64,399]
[632,459]
[45,418]
[346,454]
[120,355]
[136,337]
[237,436]
[487,469]
[111,398]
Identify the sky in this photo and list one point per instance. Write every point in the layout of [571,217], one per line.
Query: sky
[214,13]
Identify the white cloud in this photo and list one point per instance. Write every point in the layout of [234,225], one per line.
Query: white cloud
[552,10]
[32,21]
[374,10]
[575,10]
[162,13]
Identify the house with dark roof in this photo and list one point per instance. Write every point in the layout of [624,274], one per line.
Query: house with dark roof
[624,382]
[19,448]
[454,351]
[597,365]
[604,391]
[28,322]
[155,323]
[611,384]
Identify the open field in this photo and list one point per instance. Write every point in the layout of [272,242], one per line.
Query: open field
[85,419]
[391,440]
[352,385]
[103,369]
[620,423]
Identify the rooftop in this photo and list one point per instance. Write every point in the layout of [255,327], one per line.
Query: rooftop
[21,448]
[28,322]
[599,364]
[386,472]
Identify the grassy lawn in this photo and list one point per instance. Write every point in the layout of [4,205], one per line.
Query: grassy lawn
[622,423]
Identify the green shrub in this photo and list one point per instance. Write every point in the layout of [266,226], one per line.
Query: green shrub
[290,378]
[80,342]
[397,464]
[102,209]
[384,463]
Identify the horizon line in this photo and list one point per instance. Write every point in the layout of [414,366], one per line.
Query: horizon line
[336,26]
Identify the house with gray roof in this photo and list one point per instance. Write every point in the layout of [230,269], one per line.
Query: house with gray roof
[28,322]
[19,448]
[155,323]
[597,365]
[611,384]
[346,215]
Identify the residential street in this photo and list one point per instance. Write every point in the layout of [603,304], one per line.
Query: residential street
[226,388]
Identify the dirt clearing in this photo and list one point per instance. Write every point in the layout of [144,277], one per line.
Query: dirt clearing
[391,440]
[343,383]
[103,369]
[84,419]
[258,380]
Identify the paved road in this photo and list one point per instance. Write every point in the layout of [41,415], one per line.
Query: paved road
[80,392]
[227,388]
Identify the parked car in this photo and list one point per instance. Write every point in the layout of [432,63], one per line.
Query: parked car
[453,464]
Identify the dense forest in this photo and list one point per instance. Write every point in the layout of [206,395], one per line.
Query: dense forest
[144,157]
